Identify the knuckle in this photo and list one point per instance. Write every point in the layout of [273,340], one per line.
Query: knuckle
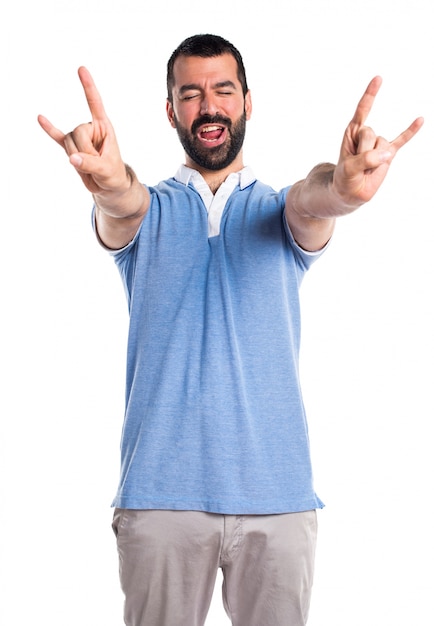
[366,132]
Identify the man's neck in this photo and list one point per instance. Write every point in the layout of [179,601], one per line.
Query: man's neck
[215,181]
[215,178]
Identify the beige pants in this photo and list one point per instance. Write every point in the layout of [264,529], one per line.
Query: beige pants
[169,562]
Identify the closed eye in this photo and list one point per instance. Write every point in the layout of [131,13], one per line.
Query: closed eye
[187,92]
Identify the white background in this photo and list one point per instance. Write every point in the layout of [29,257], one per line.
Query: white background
[367,361]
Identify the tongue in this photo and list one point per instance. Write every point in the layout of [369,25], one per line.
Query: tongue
[213,134]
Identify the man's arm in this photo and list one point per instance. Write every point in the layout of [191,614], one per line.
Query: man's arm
[121,201]
[330,191]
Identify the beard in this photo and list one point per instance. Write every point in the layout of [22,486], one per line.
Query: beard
[221,156]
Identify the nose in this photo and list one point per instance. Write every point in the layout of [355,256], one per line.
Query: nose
[208,105]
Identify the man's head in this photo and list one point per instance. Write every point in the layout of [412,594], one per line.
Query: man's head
[208,101]
[205,46]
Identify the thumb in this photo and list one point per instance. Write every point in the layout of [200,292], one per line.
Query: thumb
[76,160]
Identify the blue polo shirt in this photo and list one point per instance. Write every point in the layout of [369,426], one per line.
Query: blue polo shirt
[214,416]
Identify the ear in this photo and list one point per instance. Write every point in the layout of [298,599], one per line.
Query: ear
[248,104]
[170,113]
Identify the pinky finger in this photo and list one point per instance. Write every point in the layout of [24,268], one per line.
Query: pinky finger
[51,130]
[409,133]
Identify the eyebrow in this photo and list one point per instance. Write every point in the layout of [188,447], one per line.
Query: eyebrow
[195,86]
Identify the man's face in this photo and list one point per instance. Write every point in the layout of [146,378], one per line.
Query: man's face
[209,111]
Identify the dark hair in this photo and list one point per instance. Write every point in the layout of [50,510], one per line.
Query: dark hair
[205,46]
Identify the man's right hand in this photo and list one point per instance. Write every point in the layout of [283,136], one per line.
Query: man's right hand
[121,201]
[92,148]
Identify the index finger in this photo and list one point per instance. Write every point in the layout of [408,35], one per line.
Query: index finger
[92,94]
[366,101]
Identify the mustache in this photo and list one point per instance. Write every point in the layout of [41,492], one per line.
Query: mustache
[209,120]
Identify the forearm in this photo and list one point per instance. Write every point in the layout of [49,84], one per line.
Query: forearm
[316,195]
[119,213]
[312,206]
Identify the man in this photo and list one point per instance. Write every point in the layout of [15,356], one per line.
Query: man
[216,468]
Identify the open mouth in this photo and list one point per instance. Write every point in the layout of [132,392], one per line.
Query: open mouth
[212,133]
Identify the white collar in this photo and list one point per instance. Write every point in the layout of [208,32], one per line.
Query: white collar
[215,203]
[185,174]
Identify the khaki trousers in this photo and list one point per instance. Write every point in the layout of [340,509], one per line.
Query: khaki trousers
[168,562]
